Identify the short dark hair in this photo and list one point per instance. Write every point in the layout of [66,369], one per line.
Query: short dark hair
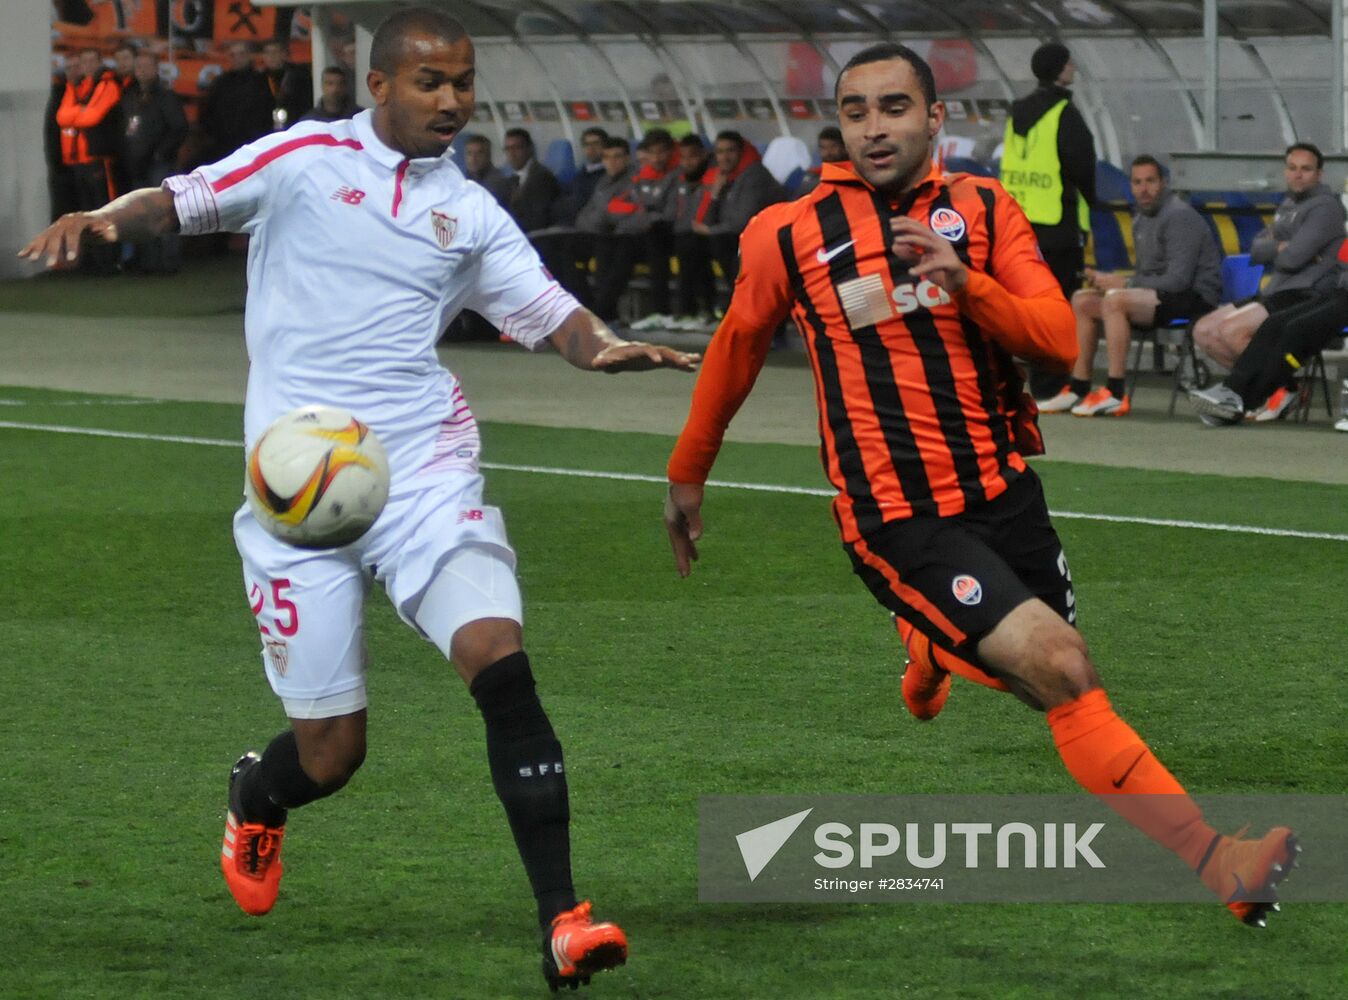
[389,38]
[1307,147]
[1147,160]
[520,133]
[617,142]
[594,130]
[831,133]
[692,141]
[730,135]
[657,137]
[886,51]
[333,71]
[477,139]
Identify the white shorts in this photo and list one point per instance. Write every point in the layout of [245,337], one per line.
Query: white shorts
[441,556]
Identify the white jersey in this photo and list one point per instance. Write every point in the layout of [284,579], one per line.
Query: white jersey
[358,260]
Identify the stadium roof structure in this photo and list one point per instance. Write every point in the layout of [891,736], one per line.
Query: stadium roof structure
[1164,75]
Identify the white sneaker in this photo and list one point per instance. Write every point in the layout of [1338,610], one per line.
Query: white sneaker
[1102,403]
[655,321]
[1341,424]
[1064,400]
[1276,405]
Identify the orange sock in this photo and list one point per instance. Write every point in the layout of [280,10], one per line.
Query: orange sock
[918,644]
[1106,757]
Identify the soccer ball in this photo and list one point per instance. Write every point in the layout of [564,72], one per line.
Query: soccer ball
[317,478]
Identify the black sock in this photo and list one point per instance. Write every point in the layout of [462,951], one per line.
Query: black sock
[1115,386]
[1081,386]
[527,772]
[278,783]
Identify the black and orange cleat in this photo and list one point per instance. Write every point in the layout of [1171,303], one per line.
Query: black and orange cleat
[925,685]
[575,948]
[1245,873]
[250,857]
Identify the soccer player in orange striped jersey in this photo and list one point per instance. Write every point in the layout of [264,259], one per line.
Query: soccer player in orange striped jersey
[913,291]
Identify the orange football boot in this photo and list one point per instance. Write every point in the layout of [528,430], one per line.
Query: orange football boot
[575,948]
[250,857]
[1245,873]
[925,685]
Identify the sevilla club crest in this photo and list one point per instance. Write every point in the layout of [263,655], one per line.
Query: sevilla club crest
[444,226]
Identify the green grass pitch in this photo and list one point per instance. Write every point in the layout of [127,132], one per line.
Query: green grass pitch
[130,681]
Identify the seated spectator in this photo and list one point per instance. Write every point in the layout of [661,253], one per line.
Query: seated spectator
[595,226]
[1178,275]
[1263,378]
[691,200]
[641,219]
[743,188]
[532,192]
[591,166]
[477,166]
[831,150]
[290,84]
[1297,251]
[154,128]
[335,102]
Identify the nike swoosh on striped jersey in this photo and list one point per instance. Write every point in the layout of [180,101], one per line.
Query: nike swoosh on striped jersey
[824,256]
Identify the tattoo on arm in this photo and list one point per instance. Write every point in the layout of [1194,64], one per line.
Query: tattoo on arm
[581,336]
[141,215]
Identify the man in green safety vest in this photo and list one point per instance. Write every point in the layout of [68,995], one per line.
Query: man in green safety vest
[1048,166]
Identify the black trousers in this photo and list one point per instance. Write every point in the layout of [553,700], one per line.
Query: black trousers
[725,249]
[94,189]
[697,285]
[1285,342]
[1068,265]
[616,255]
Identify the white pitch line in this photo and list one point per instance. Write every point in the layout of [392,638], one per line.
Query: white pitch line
[637,477]
[82,402]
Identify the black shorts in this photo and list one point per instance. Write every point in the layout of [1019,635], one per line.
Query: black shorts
[1278,300]
[1180,305]
[955,578]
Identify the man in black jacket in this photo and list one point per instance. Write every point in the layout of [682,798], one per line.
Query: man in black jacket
[1047,136]
[238,105]
[154,128]
[291,85]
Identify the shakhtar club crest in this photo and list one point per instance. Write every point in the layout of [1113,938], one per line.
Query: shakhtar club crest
[445,226]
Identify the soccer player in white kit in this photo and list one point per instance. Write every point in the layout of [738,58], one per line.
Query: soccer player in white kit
[366,240]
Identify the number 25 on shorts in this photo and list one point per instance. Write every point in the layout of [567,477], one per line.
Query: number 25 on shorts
[285,618]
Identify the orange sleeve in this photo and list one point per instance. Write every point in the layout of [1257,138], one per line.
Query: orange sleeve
[735,356]
[1018,302]
[106,95]
[65,114]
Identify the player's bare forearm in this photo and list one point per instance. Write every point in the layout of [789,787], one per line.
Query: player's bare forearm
[141,215]
[134,217]
[581,338]
[587,343]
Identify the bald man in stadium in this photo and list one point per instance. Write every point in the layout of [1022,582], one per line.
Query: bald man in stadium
[389,241]
[912,291]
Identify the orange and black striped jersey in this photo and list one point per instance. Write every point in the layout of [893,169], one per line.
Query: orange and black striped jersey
[917,391]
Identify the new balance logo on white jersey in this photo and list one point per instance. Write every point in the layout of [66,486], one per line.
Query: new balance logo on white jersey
[347,195]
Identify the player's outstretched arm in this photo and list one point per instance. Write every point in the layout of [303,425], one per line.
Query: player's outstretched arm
[683,521]
[134,217]
[587,342]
